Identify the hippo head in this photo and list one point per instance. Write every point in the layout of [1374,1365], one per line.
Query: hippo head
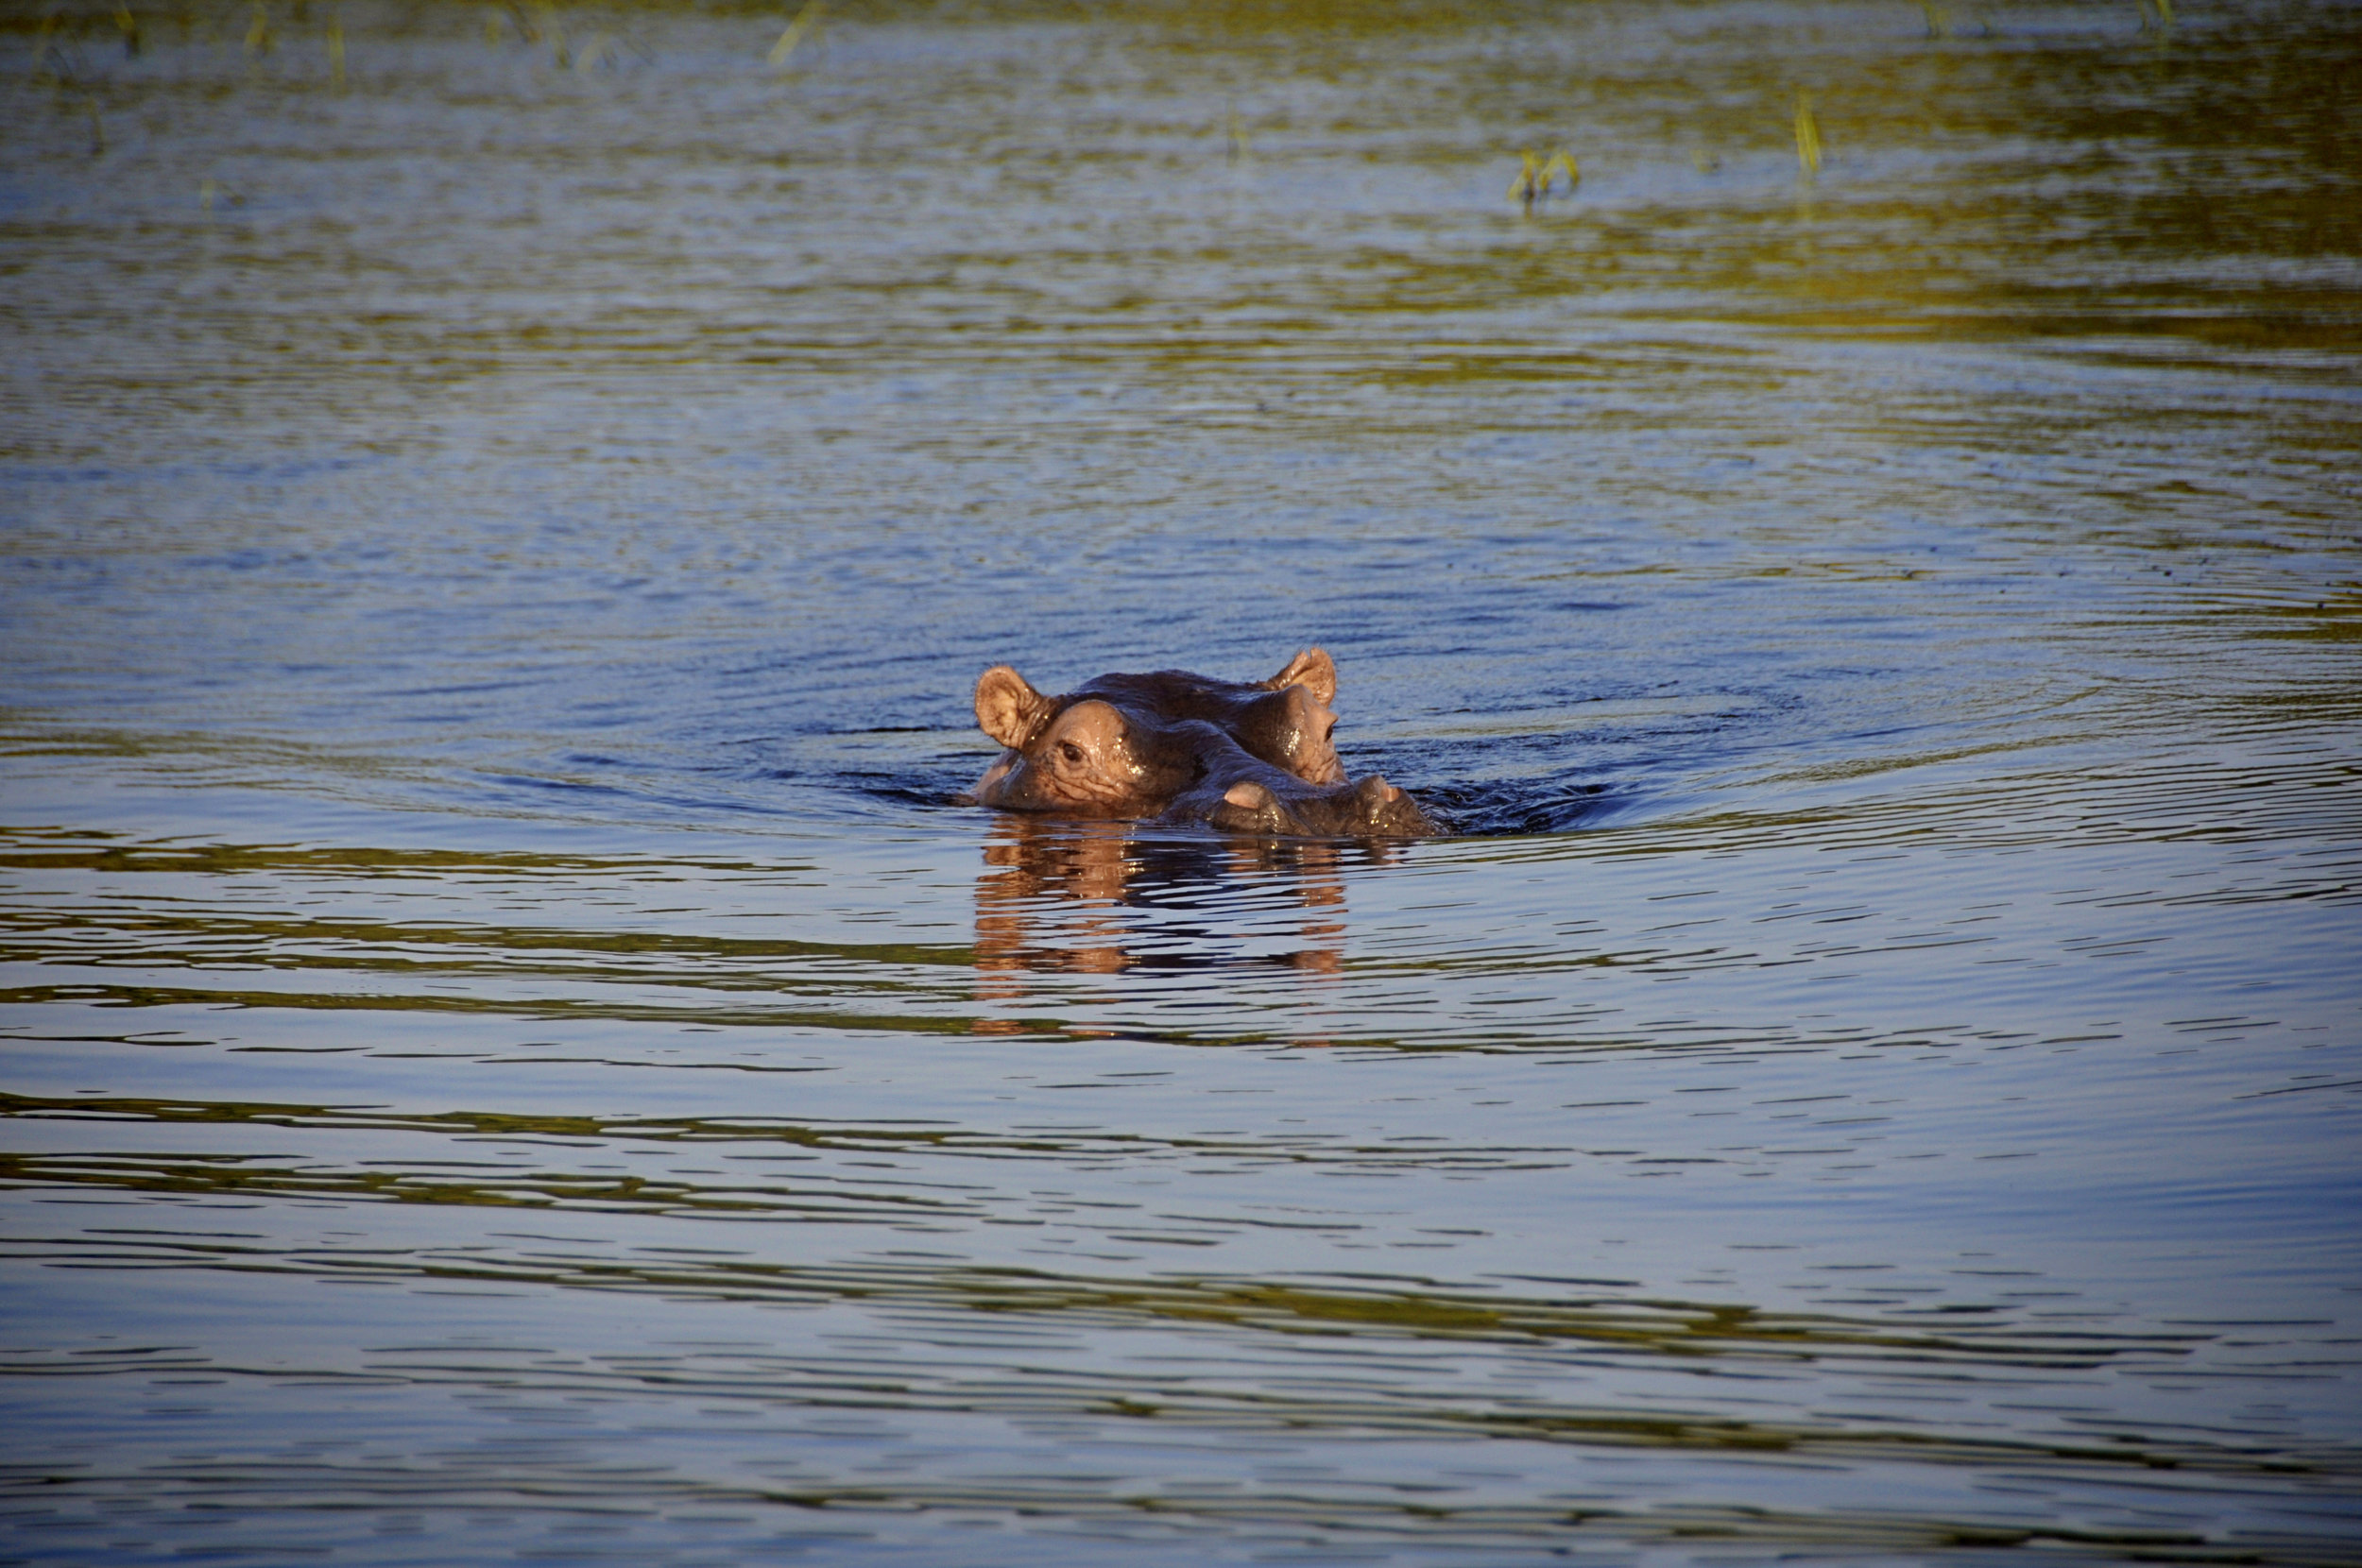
[1254,757]
[1080,756]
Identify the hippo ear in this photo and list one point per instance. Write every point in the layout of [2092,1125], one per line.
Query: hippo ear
[1006,706]
[1312,669]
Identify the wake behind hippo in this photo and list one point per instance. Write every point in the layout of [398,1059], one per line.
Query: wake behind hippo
[1178,748]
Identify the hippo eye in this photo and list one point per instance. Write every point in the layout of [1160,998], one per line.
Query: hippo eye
[1328,729]
[1068,750]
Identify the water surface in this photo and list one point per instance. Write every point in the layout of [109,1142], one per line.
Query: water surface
[513,1050]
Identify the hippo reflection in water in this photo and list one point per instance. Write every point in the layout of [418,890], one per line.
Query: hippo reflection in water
[1180,748]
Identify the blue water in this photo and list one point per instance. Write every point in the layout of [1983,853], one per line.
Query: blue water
[512,1049]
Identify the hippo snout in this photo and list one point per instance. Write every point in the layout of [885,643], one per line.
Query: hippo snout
[1370,808]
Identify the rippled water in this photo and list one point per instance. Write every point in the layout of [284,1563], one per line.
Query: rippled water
[511,1049]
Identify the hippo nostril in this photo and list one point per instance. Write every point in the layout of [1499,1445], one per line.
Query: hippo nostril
[1251,797]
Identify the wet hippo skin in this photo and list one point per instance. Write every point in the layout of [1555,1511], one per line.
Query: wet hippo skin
[1181,748]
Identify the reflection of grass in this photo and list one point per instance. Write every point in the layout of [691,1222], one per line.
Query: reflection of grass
[1808,137]
[805,21]
[1949,256]
[207,942]
[761,1134]
[828,1197]
[816,1013]
[1370,1332]
[71,849]
[1598,1324]
[402,967]
[1536,178]
[1601,1314]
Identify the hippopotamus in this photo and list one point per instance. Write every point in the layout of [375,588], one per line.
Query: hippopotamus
[1176,748]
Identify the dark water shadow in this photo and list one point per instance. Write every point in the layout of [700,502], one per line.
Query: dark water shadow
[1522,807]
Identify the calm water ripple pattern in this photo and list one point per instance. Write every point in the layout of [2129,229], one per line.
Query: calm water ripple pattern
[510,1048]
